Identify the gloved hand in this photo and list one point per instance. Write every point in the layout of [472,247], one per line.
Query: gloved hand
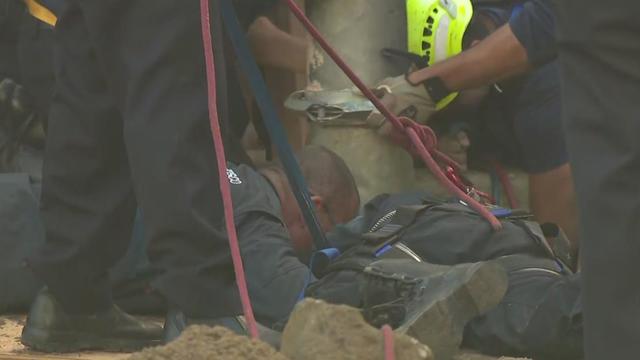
[398,136]
[403,99]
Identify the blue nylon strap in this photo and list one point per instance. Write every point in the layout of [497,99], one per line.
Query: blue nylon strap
[272,121]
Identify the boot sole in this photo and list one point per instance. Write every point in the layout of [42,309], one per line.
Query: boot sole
[66,342]
[441,326]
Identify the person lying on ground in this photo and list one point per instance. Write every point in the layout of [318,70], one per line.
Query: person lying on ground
[521,324]
[541,313]
[276,246]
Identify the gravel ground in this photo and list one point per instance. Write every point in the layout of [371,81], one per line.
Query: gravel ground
[11,348]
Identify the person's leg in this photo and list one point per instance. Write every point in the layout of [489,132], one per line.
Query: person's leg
[552,200]
[599,55]
[87,207]
[539,317]
[87,199]
[155,64]
[539,133]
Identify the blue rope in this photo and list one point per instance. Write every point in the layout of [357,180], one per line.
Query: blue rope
[272,121]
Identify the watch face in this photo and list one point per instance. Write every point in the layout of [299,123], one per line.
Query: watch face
[436,88]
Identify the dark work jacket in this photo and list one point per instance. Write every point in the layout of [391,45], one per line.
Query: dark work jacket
[541,314]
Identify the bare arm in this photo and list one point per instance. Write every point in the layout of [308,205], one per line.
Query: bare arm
[276,48]
[497,57]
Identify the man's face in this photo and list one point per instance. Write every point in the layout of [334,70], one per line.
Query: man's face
[328,215]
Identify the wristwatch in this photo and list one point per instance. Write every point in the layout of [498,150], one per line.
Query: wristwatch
[436,89]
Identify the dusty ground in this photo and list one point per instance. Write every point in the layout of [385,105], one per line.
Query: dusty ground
[201,342]
[10,347]
[482,357]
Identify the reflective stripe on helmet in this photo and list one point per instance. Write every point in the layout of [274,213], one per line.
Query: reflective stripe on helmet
[435,30]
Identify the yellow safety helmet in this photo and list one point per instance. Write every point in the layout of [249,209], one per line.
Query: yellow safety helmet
[435,29]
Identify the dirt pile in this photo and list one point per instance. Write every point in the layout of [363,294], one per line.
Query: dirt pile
[320,331]
[202,342]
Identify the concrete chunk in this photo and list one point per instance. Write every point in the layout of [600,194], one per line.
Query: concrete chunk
[321,331]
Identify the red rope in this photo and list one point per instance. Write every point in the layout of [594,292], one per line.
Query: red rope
[389,346]
[421,144]
[222,169]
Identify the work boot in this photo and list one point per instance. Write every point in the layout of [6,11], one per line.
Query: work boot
[50,329]
[434,302]
[176,321]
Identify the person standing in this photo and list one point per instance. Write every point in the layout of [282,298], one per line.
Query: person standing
[598,50]
[128,128]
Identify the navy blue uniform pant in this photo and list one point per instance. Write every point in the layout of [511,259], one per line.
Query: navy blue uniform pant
[129,127]
[599,52]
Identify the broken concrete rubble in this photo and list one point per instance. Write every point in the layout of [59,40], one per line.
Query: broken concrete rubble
[320,331]
[202,342]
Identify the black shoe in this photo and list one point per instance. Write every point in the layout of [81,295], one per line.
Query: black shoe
[50,329]
[177,321]
[437,302]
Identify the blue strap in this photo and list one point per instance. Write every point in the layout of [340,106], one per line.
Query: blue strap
[320,259]
[272,121]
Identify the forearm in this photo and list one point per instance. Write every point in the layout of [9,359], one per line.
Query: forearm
[276,48]
[497,57]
